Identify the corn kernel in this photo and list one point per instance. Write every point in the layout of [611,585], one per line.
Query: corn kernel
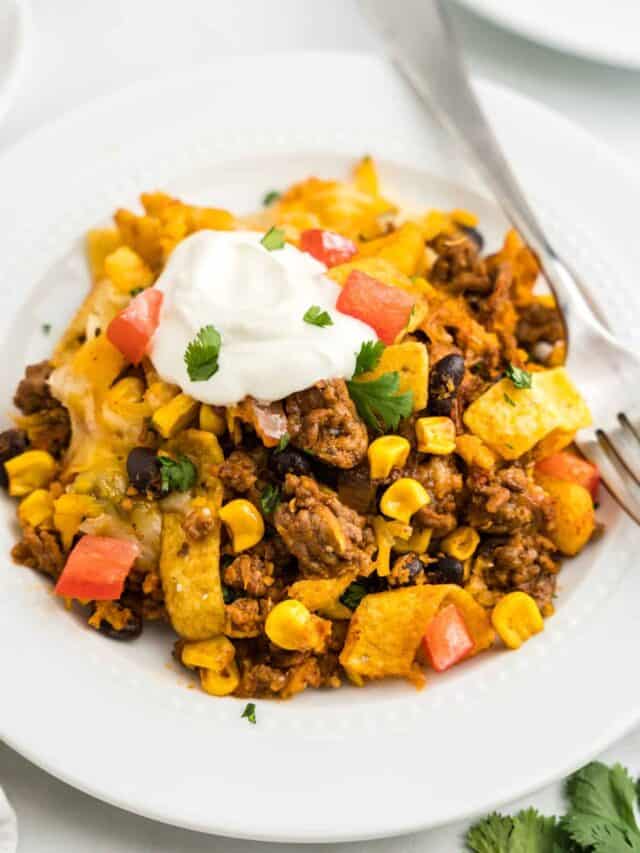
[464,218]
[461,543]
[215,660]
[385,453]
[474,451]
[436,435]
[175,415]
[70,510]
[516,618]
[160,393]
[33,469]
[291,626]
[211,421]
[403,498]
[386,534]
[244,523]
[36,509]
[418,542]
[100,243]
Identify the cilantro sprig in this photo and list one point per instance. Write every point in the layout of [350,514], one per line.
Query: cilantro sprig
[273,239]
[177,475]
[269,499]
[250,712]
[601,819]
[520,378]
[315,316]
[201,355]
[379,402]
[369,357]
[270,197]
[353,595]
[284,441]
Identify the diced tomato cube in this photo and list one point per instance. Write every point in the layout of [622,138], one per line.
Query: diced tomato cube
[97,568]
[327,246]
[386,309]
[566,465]
[132,329]
[447,639]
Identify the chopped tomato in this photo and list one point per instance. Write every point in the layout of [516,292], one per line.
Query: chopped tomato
[569,466]
[386,309]
[97,568]
[447,639]
[327,246]
[132,329]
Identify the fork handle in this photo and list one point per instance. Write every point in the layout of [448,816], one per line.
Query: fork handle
[437,72]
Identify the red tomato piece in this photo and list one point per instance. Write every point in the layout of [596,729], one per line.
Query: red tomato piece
[131,330]
[447,639]
[569,466]
[97,568]
[327,246]
[386,309]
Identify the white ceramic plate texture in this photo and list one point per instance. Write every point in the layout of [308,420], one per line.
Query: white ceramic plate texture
[606,32]
[119,721]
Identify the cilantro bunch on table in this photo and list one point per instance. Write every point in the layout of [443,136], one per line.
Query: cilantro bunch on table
[601,818]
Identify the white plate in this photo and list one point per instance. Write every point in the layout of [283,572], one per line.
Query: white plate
[607,32]
[15,33]
[118,721]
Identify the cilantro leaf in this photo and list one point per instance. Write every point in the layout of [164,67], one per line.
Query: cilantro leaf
[378,402]
[135,291]
[368,357]
[270,197]
[509,399]
[273,239]
[490,835]
[250,712]
[201,356]
[177,475]
[533,833]
[284,440]
[353,595]
[315,316]
[602,816]
[46,328]
[269,499]
[520,378]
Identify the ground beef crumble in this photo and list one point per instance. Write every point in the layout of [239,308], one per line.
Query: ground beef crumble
[40,549]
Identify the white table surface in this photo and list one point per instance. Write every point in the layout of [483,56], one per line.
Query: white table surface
[85,48]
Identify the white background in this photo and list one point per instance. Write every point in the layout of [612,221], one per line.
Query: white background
[82,49]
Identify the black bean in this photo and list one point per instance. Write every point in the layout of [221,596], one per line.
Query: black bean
[446,375]
[446,570]
[13,442]
[289,461]
[414,565]
[441,408]
[474,235]
[143,469]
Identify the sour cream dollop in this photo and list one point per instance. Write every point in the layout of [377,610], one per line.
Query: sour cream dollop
[256,299]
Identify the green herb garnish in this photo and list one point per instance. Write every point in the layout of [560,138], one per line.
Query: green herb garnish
[284,440]
[368,357]
[353,595]
[269,499]
[46,328]
[315,316]
[135,291]
[600,819]
[201,356]
[250,712]
[177,475]
[273,239]
[378,402]
[509,400]
[270,197]
[520,378]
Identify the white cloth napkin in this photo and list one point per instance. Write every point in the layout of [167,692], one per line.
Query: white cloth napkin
[8,826]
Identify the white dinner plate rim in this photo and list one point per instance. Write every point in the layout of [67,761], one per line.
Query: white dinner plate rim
[508,17]
[387,827]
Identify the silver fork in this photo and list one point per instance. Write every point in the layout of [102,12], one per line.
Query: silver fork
[421,41]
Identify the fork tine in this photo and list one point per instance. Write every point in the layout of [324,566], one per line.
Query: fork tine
[629,426]
[614,476]
[625,447]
